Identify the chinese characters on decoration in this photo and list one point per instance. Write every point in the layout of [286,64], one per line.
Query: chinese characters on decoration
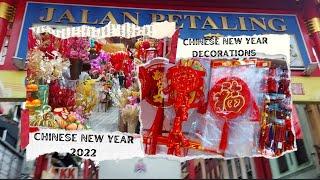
[216,107]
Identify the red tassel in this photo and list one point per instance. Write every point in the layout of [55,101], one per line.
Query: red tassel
[224,137]
[155,131]
[255,113]
[173,48]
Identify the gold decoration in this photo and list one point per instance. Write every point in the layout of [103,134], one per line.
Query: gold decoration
[210,35]
[87,96]
[113,47]
[7,11]
[313,25]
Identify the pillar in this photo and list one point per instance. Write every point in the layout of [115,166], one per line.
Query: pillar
[312,20]
[41,164]
[6,15]
[191,169]
[203,169]
[253,169]
[262,168]
[244,174]
[234,169]
[314,123]
[225,169]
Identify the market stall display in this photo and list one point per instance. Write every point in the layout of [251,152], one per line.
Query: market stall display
[186,107]
[85,79]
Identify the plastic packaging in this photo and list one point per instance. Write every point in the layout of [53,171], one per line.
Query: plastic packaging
[217,108]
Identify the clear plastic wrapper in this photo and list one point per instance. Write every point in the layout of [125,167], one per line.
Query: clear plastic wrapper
[228,114]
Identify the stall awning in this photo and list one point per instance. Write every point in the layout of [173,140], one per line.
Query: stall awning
[12,85]
[305,89]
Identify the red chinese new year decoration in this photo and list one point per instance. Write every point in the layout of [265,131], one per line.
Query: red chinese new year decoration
[141,48]
[271,82]
[229,98]
[61,96]
[152,79]
[185,90]
[117,59]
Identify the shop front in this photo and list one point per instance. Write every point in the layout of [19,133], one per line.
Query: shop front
[197,20]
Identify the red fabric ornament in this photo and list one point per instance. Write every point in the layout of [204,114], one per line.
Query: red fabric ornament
[173,46]
[183,80]
[152,88]
[117,59]
[60,96]
[152,78]
[97,46]
[229,98]
[31,39]
[145,80]
[146,45]
[185,90]
[159,48]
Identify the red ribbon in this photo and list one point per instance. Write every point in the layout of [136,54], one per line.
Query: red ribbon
[173,47]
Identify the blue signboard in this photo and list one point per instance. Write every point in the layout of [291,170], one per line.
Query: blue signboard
[192,24]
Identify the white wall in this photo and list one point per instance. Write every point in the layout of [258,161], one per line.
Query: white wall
[156,168]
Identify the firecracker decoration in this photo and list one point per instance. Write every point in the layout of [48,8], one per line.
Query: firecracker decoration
[276,134]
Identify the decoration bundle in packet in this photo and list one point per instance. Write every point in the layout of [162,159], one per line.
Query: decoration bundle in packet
[216,108]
